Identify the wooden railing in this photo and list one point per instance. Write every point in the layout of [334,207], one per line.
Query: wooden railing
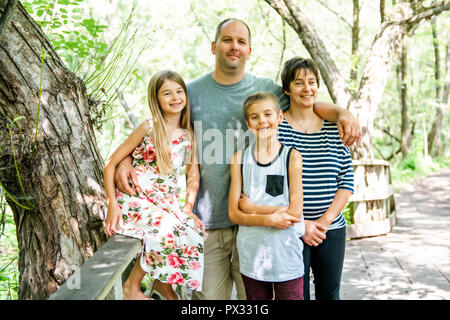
[372,205]
[100,277]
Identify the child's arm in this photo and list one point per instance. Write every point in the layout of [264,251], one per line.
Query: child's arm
[295,192]
[278,219]
[114,213]
[295,184]
[192,184]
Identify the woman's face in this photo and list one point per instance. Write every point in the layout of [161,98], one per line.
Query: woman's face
[303,90]
[171,97]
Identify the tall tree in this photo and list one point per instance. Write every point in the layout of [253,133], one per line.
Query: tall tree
[441,94]
[405,15]
[402,71]
[50,165]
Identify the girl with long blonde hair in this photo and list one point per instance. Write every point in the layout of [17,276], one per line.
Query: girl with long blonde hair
[172,247]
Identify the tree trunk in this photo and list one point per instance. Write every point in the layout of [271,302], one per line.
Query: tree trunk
[355,42]
[435,147]
[402,71]
[56,171]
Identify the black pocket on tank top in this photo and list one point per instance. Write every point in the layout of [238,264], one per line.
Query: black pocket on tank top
[274,185]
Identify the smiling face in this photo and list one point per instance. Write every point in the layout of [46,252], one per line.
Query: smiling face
[263,119]
[171,97]
[232,48]
[303,89]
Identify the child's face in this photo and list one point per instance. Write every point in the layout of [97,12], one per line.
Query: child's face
[263,120]
[171,97]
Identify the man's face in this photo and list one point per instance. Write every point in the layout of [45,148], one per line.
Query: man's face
[232,48]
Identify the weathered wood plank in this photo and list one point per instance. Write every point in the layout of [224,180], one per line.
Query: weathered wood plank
[355,283]
[388,279]
[100,273]
[359,230]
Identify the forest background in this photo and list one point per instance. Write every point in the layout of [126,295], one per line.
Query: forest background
[115,46]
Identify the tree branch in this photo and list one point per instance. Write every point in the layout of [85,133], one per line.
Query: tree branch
[310,38]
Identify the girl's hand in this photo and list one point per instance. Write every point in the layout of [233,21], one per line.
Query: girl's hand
[199,225]
[245,204]
[113,220]
[314,233]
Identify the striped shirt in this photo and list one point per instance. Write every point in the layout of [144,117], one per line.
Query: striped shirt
[327,167]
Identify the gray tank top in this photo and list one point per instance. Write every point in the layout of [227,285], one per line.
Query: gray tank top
[266,253]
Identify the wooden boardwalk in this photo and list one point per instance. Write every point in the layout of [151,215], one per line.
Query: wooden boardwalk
[413,260]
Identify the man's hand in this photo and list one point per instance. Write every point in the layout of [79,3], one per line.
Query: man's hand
[349,128]
[125,172]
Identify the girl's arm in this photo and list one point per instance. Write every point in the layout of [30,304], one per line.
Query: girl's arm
[192,184]
[114,213]
[278,219]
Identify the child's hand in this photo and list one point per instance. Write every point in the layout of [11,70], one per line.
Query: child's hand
[245,204]
[113,220]
[282,220]
[199,225]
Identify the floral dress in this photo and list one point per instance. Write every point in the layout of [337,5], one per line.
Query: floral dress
[172,249]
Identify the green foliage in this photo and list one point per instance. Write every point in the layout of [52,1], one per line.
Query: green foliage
[9,273]
[74,36]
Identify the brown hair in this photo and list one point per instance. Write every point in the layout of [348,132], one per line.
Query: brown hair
[292,66]
[258,96]
[159,134]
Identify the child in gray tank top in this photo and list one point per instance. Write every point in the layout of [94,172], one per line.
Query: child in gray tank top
[270,176]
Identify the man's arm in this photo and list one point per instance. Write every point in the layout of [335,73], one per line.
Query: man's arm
[348,126]
[125,172]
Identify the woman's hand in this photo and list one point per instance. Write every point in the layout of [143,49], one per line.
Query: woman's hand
[113,220]
[314,233]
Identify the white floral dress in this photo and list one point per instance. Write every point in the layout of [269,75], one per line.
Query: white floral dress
[172,249]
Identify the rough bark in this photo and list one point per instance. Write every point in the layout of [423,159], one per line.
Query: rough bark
[60,174]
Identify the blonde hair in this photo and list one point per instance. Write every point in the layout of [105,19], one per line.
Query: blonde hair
[159,135]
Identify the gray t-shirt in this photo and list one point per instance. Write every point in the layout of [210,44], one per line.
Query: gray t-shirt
[220,130]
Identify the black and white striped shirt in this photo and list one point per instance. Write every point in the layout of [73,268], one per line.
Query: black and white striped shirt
[327,167]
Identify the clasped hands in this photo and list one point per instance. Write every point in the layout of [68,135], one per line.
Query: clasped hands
[315,230]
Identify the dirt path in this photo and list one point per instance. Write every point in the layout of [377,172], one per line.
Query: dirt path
[413,260]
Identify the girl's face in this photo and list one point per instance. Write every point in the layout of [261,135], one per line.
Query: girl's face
[171,97]
[263,120]
[303,90]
